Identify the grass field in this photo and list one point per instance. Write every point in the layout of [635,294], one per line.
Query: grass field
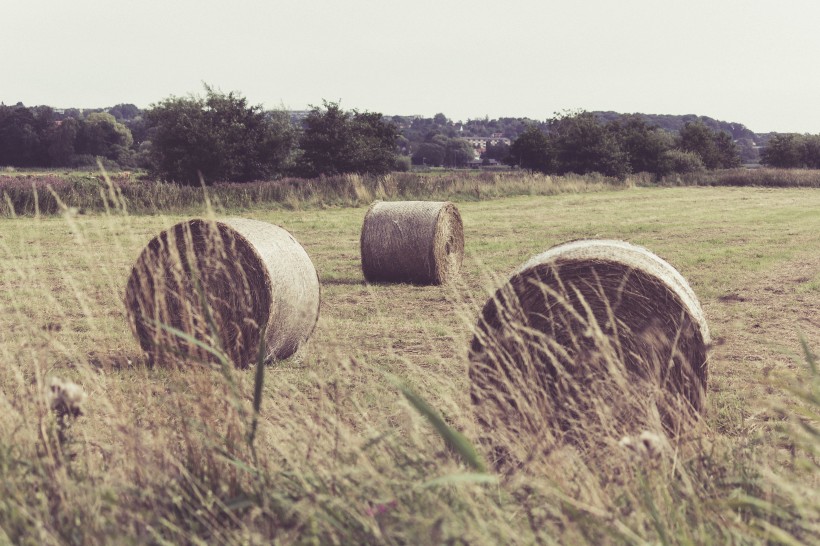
[341,456]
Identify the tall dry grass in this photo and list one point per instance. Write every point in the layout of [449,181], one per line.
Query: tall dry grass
[343,453]
[765,177]
[47,194]
[29,194]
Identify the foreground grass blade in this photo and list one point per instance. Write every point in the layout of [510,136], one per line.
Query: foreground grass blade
[258,384]
[453,438]
[460,478]
[223,359]
[811,358]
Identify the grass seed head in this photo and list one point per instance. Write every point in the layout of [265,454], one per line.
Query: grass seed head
[66,398]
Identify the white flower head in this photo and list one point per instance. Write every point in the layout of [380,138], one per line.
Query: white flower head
[652,443]
[647,445]
[66,397]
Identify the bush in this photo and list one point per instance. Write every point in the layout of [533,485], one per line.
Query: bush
[680,162]
[339,142]
[403,164]
[792,151]
[583,145]
[219,138]
[716,149]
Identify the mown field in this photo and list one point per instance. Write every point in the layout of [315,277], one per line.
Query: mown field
[340,456]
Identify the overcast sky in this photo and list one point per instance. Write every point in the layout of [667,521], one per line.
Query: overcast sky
[752,61]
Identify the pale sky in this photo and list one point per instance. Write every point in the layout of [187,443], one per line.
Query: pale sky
[748,61]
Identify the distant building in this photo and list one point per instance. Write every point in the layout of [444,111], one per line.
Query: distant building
[482,142]
[297,116]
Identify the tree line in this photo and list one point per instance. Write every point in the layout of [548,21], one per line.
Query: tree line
[791,150]
[212,138]
[582,143]
[39,137]
[220,137]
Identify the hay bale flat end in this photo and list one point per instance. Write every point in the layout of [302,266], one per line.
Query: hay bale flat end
[420,242]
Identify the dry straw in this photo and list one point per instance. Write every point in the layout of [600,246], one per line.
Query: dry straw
[222,283]
[418,242]
[586,339]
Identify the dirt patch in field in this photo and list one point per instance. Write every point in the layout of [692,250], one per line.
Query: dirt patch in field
[757,329]
[731,297]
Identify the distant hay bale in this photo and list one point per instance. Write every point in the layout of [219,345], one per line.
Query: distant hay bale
[418,242]
[253,276]
[570,335]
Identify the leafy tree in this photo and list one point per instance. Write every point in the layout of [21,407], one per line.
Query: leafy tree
[458,152]
[498,151]
[532,150]
[643,143]
[440,119]
[219,137]
[181,144]
[101,135]
[437,138]
[582,145]
[716,149]
[791,151]
[139,129]
[124,111]
[35,137]
[810,151]
[727,151]
[335,141]
[439,150]
[429,153]
[674,123]
[61,140]
[679,161]
[20,144]
[783,151]
[748,150]
[376,141]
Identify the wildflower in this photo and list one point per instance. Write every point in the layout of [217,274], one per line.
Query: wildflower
[381,508]
[647,445]
[66,398]
[652,443]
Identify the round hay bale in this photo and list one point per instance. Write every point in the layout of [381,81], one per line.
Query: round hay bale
[581,328]
[222,283]
[419,242]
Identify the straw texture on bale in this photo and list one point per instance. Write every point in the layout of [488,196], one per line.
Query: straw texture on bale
[562,320]
[253,276]
[419,242]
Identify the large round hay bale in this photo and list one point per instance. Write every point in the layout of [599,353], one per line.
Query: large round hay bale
[581,333]
[222,283]
[418,242]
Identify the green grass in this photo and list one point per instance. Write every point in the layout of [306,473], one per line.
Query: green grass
[341,455]
[770,177]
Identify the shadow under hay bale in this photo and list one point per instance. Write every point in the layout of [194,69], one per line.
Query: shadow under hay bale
[418,242]
[590,339]
[222,283]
